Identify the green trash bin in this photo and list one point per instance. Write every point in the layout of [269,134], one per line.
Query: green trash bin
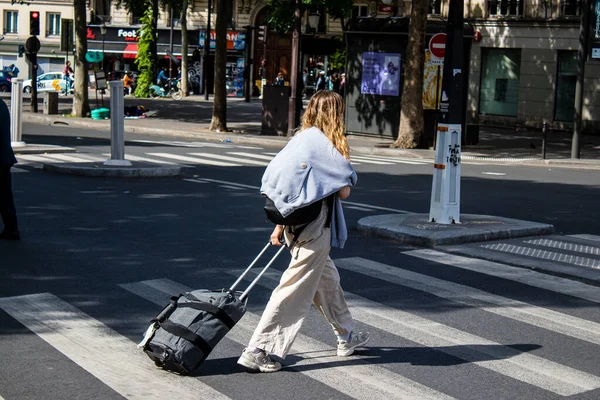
[101,113]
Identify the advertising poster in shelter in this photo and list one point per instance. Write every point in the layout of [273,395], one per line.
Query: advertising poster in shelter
[432,81]
[381,73]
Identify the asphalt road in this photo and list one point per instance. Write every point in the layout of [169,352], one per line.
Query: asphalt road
[100,257]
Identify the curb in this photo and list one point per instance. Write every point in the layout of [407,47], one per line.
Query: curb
[415,229]
[99,170]
[242,138]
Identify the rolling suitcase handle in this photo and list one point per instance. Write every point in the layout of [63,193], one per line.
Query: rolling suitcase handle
[255,281]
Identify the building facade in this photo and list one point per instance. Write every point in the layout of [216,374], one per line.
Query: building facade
[14,29]
[523,62]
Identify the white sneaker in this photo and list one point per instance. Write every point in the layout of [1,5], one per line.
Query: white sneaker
[258,362]
[346,348]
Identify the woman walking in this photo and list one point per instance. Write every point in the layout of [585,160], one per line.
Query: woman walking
[313,167]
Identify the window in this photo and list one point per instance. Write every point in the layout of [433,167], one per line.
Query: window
[500,74]
[566,79]
[11,21]
[360,11]
[505,7]
[435,7]
[570,8]
[53,24]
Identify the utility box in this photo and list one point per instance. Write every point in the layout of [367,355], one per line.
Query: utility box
[50,106]
[275,106]
[376,59]
[445,193]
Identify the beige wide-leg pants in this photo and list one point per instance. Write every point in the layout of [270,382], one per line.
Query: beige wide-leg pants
[311,277]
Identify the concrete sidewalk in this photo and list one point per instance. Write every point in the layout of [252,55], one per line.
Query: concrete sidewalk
[190,118]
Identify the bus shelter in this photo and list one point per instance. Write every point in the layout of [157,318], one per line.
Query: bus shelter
[376,59]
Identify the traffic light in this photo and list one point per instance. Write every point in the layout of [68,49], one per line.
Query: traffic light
[34,23]
[21,50]
[262,33]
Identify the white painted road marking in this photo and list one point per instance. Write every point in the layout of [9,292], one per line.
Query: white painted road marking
[360,380]
[519,311]
[525,367]
[520,275]
[194,160]
[101,351]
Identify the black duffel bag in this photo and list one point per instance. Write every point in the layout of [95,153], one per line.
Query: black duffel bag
[184,333]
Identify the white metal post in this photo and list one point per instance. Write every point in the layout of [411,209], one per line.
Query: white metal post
[117,126]
[16,111]
[445,193]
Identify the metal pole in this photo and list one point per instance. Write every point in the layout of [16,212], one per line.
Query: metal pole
[206,51]
[294,72]
[171,50]
[582,55]
[16,112]
[117,126]
[544,137]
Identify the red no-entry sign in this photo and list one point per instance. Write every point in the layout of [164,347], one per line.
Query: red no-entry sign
[437,45]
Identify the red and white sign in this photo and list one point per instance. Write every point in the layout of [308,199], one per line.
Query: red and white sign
[477,36]
[437,45]
[386,8]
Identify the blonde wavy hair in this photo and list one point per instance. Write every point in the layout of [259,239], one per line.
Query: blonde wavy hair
[325,111]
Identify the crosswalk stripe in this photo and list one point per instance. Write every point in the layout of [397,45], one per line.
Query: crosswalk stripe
[544,254]
[110,357]
[66,158]
[568,246]
[37,158]
[91,157]
[368,161]
[233,159]
[131,157]
[239,185]
[392,160]
[194,160]
[522,366]
[251,155]
[521,275]
[372,207]
[358,379]
[586,236]
[519,311]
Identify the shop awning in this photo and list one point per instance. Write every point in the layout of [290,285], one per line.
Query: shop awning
[130,50]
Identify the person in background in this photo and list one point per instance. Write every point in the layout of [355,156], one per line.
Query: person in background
[311,277]
[162,78]
[304,82]
[67,72]
[280,81]
[8,211]
[321,81]
[342,90]
[13,70]
[127,82]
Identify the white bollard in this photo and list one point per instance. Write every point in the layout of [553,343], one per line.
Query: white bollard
[16,112]
[445,192]
[117,127]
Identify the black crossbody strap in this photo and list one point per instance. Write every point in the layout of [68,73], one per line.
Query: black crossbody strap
[183,332]
[211,309]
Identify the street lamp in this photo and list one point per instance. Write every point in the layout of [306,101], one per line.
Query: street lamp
[206,52]
[294,105]
[313,20]
[102,32]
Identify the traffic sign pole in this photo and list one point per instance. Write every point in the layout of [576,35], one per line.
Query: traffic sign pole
[445,193]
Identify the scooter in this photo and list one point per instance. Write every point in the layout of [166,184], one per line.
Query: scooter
[169,90]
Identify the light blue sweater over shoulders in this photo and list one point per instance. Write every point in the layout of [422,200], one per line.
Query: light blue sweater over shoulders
[308,169]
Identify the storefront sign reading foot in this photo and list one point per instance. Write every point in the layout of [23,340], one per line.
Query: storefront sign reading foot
[445,193]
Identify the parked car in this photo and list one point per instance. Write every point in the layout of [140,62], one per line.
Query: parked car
[48,82]
[4,81]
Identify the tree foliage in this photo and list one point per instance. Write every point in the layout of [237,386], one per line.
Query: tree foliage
[281,12]
[144,59]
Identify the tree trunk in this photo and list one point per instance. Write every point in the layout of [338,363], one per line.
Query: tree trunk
[184,48]
[81,103]
[411,116]
[219,117]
